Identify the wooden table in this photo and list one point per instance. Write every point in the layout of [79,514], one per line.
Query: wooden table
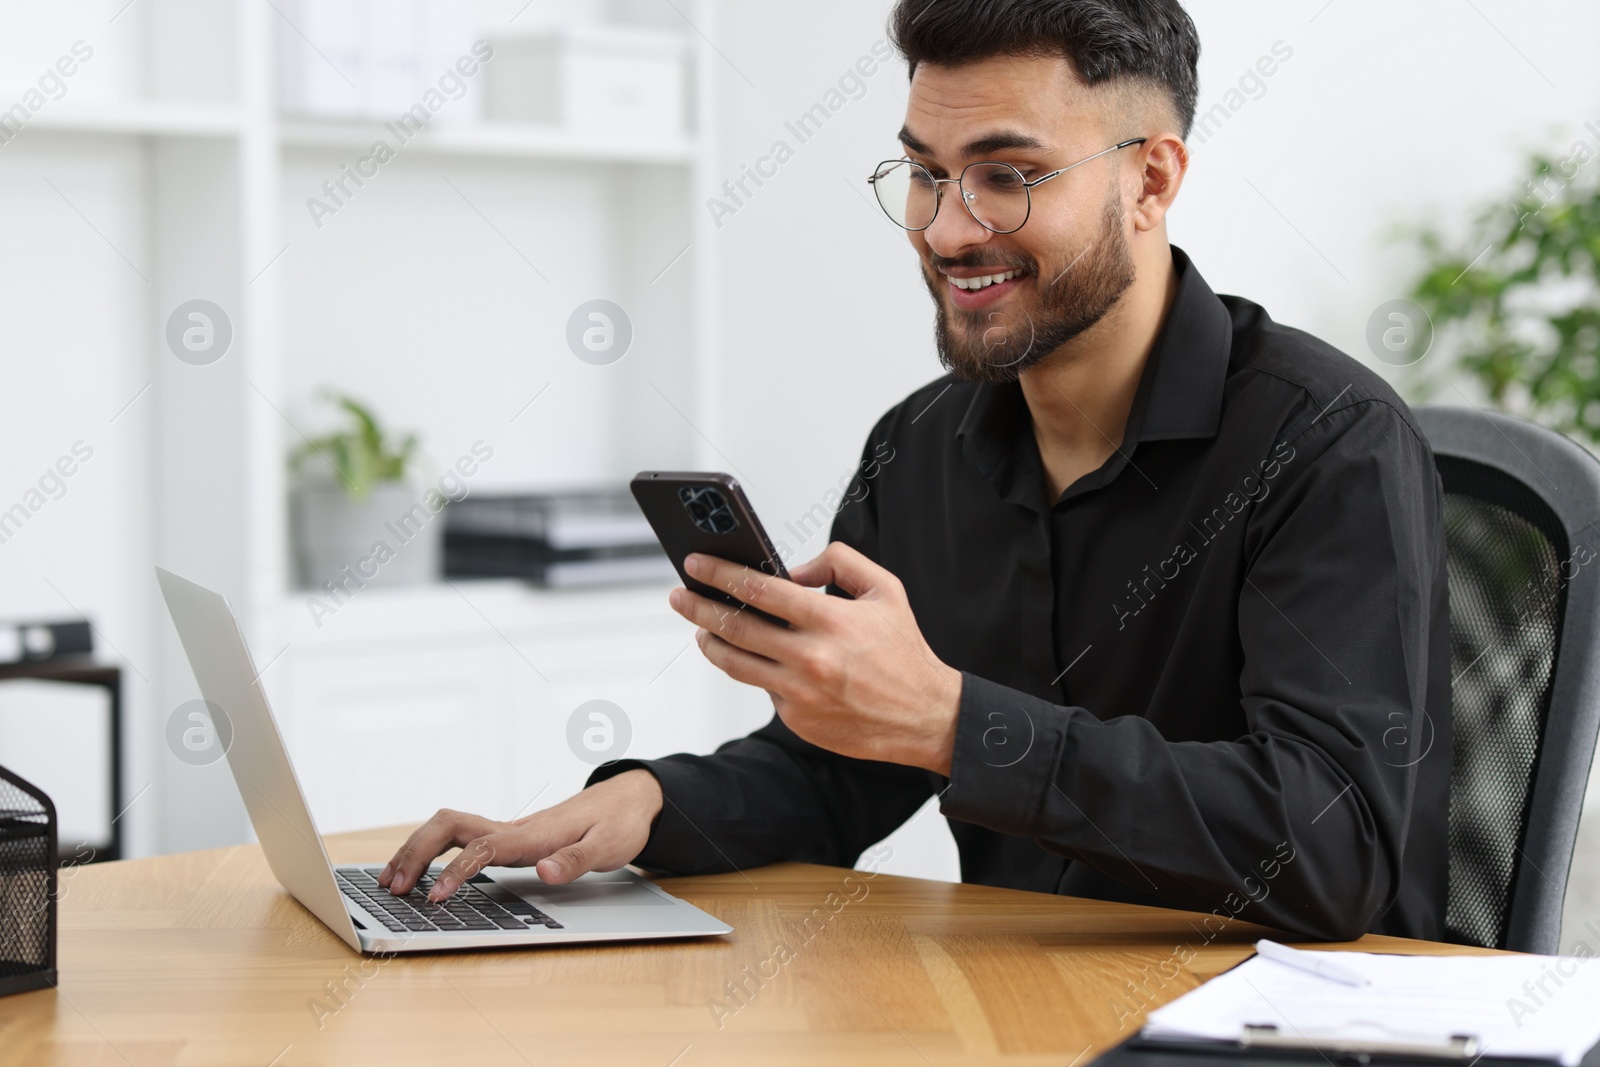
[200,958]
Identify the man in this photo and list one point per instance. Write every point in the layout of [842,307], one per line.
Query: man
[1149,590]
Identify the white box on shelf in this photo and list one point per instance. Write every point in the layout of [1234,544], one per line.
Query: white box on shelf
[591,79]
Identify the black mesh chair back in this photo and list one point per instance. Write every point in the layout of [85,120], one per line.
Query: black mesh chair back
[1521,507]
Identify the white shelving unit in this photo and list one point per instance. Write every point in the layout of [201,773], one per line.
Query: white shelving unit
[224,177]
[146,119]
[503,139]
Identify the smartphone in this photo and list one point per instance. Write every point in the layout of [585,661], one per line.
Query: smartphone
[706,512]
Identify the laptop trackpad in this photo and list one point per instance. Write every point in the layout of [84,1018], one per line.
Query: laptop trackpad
[596,895]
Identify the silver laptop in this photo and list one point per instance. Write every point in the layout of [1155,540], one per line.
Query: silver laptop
[501,906]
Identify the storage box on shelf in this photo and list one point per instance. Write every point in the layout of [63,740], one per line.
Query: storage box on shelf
[625,81]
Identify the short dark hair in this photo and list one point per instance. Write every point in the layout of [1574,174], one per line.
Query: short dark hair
[1153,41]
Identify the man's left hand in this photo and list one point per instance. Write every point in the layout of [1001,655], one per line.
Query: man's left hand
[853,676]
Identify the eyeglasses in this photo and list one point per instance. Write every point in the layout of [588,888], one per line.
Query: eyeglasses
[995,194]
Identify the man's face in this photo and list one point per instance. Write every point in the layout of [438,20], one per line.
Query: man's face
[1072,259]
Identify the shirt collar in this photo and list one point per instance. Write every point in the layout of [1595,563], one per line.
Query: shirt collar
[1179,395]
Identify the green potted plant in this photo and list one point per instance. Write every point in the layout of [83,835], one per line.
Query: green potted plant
[358,517]
[1517,301]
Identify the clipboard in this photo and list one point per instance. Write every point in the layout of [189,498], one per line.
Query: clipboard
[1276,1050]
[1375,1008]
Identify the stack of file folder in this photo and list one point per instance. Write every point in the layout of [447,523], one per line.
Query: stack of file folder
[558,540]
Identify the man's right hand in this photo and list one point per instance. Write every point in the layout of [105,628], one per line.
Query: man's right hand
[600,829]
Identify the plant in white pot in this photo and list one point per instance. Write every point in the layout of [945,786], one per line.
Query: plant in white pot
[359,512]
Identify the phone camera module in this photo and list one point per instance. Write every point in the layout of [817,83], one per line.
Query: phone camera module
[708,508]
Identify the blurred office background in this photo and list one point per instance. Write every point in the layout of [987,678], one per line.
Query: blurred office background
[169,152]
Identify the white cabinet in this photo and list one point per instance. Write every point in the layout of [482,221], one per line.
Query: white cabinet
[459,695]
[384,737]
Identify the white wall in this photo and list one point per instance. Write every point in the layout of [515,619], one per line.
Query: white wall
[70,315]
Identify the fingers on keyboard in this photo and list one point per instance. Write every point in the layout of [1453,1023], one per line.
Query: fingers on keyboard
[470,909]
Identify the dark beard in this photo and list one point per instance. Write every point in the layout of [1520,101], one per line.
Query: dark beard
[1078,297]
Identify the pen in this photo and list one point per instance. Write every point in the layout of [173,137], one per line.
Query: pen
[1317,963]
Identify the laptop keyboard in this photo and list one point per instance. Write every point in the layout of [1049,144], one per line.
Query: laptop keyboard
[469,909]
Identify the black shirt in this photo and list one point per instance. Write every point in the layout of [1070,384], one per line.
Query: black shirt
[1214,674]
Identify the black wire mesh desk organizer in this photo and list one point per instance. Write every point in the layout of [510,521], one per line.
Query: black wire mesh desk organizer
[27,886]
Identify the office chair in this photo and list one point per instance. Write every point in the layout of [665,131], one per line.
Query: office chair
[1522,522]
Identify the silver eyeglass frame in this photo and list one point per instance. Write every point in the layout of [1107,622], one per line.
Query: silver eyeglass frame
[966,197]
